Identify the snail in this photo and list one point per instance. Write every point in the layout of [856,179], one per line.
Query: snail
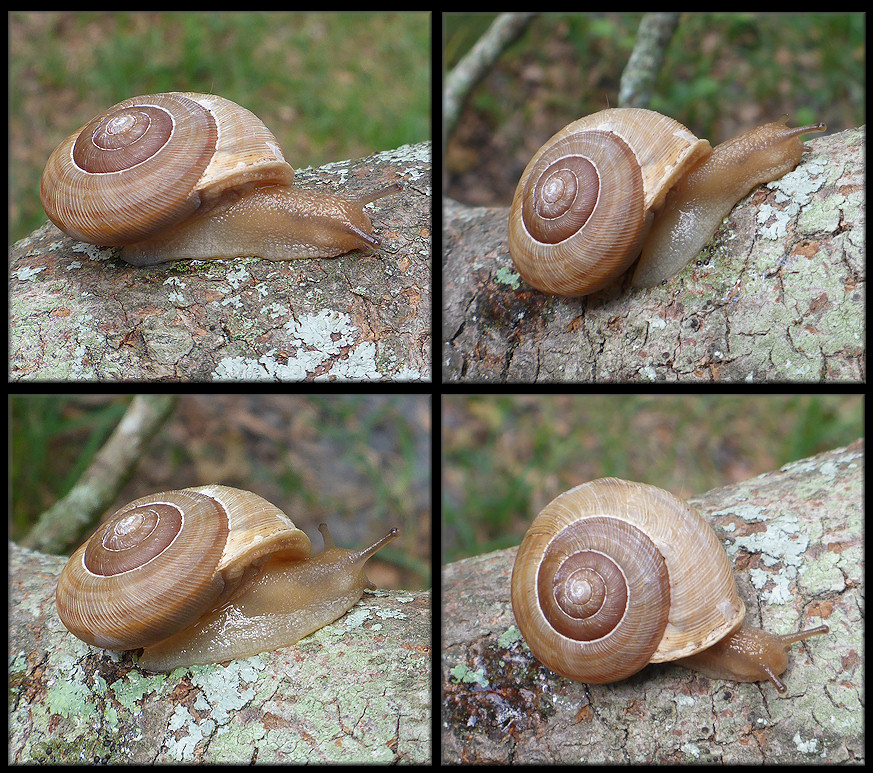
[613,575]
[185,175]
[203,575]
[624,181]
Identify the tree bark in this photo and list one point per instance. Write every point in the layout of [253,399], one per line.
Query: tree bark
[356,691]
[78,313]
[795,537]
[778,295]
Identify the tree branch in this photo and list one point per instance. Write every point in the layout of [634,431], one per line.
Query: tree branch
[794,536]
[476,64]
[79,510]
[646,60]
[778,295]
[79,313]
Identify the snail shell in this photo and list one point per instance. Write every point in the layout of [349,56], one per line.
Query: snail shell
[613,575]
[626,180]
[202,575]
[629,586]
[581,205]
[183,174]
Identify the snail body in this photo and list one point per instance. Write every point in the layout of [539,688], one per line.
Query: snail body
[626,181]
[187,175]
[613,575]
[204,575]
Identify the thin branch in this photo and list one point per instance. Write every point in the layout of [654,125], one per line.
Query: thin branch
[650,49]
[477,63]
[63,523]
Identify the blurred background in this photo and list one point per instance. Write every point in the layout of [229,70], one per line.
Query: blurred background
[330,86]
[506,456]
[360,463]
[724,73]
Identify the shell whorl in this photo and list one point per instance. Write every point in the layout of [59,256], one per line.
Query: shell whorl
[613,575]
[584,203]
[578,215]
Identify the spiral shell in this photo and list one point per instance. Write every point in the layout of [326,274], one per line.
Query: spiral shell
[613,575]
[162,561]
[149,162]
[584,203]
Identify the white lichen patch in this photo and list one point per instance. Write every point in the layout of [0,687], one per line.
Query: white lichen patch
[507,276]
[319,339]
[26,273]
[238,276]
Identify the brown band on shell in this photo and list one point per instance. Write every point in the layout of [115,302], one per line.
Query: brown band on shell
[561,199]
[133,538]
[604,593]
[586,588]
[123,138]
